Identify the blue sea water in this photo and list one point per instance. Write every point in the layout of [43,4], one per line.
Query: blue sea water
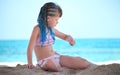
[94,50]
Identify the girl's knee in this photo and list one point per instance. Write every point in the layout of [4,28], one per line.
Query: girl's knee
[85,64]
[52,67]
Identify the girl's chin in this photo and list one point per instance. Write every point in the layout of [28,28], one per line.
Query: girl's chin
[52,26]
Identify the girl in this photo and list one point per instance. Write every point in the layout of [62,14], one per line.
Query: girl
[42,38]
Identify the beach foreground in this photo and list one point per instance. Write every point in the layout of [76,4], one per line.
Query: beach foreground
[93,69]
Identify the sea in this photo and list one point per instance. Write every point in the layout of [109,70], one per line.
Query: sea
[94,50]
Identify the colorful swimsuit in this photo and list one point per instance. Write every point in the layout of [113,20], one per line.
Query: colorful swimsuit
[49,41]
[55,58]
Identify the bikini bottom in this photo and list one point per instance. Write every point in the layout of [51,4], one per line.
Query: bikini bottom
[55,58]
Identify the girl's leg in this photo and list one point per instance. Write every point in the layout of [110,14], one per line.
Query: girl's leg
[73,62]
[51,65]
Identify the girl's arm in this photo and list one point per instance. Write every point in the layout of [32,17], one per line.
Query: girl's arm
[64,36]
[31,46]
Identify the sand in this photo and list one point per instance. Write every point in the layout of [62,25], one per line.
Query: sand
[93,69]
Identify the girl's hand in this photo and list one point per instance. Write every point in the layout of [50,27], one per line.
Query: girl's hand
[30,66]
[70,40]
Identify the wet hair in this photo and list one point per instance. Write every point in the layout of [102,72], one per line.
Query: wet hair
[48,9]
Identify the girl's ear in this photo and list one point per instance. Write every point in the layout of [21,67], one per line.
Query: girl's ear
[48,18]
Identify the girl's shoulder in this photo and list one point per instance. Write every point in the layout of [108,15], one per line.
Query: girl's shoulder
[36,27]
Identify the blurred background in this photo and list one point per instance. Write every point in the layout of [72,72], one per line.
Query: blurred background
[94,24]
[81,18]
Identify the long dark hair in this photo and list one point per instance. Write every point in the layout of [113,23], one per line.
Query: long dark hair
[48,9]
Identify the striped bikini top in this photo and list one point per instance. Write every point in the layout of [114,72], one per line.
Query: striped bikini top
[49,41]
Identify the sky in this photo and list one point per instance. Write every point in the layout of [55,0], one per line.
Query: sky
[81,18]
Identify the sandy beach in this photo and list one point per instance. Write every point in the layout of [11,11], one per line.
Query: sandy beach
[110,68]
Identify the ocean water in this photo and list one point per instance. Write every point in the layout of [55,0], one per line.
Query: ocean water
[94,50]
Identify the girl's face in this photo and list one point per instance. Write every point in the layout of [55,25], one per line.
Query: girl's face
[52,21]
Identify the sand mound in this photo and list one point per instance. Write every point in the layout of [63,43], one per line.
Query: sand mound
[110,69]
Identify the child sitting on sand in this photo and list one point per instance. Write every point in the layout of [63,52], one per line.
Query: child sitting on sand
[42,38]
